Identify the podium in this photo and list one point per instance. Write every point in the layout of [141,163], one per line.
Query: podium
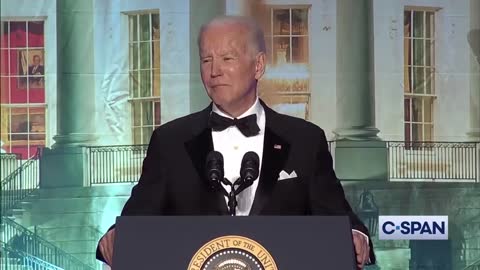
[226,243]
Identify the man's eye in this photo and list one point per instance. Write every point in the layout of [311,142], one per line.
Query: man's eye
[228,58]
[206,61]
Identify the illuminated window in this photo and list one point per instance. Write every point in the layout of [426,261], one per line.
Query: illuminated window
[144,74]
[419,74]
[286,83]
[22,86]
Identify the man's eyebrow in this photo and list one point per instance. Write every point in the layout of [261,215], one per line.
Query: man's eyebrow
[229,53]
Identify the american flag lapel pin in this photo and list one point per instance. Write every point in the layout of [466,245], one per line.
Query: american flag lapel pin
[277,146]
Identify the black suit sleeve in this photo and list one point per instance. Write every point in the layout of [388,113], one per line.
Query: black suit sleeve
[149,195]
[326,193]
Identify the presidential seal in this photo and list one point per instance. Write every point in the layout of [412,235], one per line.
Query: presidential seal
[232,253]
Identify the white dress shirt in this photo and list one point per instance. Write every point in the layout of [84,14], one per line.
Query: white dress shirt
[233,145]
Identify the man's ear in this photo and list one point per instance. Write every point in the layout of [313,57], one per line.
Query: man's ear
[260,62]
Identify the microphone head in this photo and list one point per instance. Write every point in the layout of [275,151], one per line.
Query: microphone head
[214,168]
[250,166]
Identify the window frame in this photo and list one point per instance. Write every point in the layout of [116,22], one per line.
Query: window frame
[428,71]
[154,96]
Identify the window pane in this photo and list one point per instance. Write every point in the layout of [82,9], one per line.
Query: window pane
[300,49]
[18,34]
[299,21]
[4,90]
[19,121]
[406,109]
[428,110]
[429,24]
[145,56]
[19,89]
[417,110]
[157,113]
[136,114]
[147,113]
[147,133]
[144,27]
[417,132]
[281,22]
[4,68]
[408,136]
[133,56]
[418,30]
[134,84]
[156,83]
[4,34]
[281,50]
[155,27]
[429,81]
[137,135]
[37,120]
[35,62]
[145,83]
[418,52]
[133,27]
[407,32]
[35,34]
[428,136]
[418,80]
[429,50]
[407,52]
[156,54]
[407,80]
[36,69]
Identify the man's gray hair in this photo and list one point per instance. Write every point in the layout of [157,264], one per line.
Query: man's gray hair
[256,39]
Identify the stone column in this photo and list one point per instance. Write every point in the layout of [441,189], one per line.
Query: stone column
[355,80]
[65,163]
[359,153]
[474,42]
[75,78]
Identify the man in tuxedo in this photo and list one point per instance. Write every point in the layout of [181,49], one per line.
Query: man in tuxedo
[36,71]
[37,68]
[296,172]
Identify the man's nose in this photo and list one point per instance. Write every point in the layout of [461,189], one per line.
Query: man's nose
[216,68]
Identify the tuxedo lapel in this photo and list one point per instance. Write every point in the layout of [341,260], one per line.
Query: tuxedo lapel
[198,148]
[275,154]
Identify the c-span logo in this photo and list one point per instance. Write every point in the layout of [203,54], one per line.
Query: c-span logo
[232,253]
[413,227]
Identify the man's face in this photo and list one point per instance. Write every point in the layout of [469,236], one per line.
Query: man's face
[36,60]
[229,68]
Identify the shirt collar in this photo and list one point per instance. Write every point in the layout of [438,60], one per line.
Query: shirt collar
[256,108]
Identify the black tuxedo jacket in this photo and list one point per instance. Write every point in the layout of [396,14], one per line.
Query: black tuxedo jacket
[173,178]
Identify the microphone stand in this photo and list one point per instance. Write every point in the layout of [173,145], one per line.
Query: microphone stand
[238,186]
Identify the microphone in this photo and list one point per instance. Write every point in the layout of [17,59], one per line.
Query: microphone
[214,169]
[249,170]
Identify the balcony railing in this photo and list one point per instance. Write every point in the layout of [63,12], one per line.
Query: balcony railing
[408,161]
[8,164]
[434,161]
[115,164]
